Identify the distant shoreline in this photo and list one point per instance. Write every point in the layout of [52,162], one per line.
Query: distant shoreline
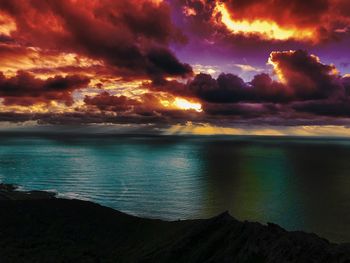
[78,132]
[38,227]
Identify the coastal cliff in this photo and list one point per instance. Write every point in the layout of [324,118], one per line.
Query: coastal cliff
[37,227]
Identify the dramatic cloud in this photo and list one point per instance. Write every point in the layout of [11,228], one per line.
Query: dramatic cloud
[339,108]
[304,85]
[304,75]
[123,62]
[106,102]
[24,89]
[301,77]
[152,107]
[219,35]
[130,35]
[229,88]
[312,21]
[275,19]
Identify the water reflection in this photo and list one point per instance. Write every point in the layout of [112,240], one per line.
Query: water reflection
[295,182]
[254,182]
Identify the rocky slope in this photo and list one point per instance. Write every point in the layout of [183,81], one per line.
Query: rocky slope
[36,227]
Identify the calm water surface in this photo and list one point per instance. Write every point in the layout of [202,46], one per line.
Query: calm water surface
[299,183]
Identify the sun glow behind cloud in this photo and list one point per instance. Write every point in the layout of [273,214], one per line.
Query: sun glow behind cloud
[198,67]
[187,105]
[269,30]
[182,104]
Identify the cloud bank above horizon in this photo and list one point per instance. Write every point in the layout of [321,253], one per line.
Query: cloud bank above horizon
[214,65]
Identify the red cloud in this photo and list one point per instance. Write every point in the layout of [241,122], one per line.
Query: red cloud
[128,35]
[312,21]
[285,13]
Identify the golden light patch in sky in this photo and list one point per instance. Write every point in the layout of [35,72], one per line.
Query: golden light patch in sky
[156,2]
[208,69]
[276,68]
[181,104]
[265,29]
[7,24]
[201,129]
[49,64]
[247,68]
[51,107]
[307,130]
[208,129]
[187,105]
[187,11]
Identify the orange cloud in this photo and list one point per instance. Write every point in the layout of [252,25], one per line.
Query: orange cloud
[44,63]
[131,37]
[7,24]
[310,21]
[182,104]
[266,29]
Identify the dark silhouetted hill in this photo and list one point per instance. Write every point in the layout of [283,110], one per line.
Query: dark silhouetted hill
[37,227]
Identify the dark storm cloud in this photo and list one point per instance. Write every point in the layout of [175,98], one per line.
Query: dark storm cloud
[305,76]
[130,35]
[338,108]
[302,77]
[24,89]
[334,107]
[147,109]
[346,84]
[155,118]
[229,88]
[164,62]
[15,117]
[306,88]
[241,110]
[107,102]
[173,87]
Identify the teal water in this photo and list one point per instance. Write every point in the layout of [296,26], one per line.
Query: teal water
[299,183]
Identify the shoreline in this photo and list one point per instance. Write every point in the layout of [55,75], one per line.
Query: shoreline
[11,192]
[36,226]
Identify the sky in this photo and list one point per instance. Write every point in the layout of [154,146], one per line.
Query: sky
[271,67]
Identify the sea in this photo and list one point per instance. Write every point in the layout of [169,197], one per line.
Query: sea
[300,183]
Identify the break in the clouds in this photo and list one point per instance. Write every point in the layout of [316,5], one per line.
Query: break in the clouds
[164,63]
